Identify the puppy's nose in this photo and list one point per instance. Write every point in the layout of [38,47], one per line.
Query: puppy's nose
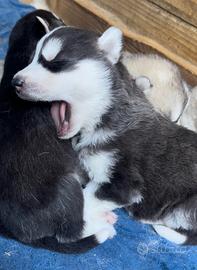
[18,82]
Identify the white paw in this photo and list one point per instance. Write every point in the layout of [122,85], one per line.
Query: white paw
[98,221]
[106,233]
[170,234]
[110,217]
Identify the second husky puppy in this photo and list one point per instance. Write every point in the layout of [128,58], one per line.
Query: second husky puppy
[162,84]
[133,155]
[41,200]
[167,92]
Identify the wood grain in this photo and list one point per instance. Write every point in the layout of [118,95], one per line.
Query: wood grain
[145,22]
[184,9]
[76,15]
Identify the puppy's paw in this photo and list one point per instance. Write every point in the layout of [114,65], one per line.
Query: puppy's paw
[105,234]
[111,217]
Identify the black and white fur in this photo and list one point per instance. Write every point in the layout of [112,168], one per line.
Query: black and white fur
[133,155]
[41,200]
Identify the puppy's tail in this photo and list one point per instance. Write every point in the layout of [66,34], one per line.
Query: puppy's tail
[51,243]
[80,246]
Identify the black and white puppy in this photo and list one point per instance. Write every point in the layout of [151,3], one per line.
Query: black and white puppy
[133,155]
[41,199]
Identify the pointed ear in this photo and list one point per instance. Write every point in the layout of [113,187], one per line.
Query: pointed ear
[111,43]
[143,83]
[44,23]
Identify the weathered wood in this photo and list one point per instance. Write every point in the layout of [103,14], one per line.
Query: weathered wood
[184,9]
[76,15]
[145,22]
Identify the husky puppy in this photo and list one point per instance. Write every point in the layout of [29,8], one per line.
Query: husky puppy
[165,90]
[133,155]
[40,179]
[163,86]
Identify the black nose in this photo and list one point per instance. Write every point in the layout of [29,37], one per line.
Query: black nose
[17,82]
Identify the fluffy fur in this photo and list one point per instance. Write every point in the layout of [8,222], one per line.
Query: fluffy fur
[163,86]
[152,163]
[167,92]
[40,179]
[189,117]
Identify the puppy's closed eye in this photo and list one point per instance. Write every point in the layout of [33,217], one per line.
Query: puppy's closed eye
[56,64]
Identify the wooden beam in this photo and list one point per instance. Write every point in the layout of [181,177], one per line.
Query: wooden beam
[184,9]
[145,22]
[76,15]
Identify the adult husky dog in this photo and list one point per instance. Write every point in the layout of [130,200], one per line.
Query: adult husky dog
[133,155]
[40,179]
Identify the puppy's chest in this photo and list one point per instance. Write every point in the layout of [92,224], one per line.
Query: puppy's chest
[99,165]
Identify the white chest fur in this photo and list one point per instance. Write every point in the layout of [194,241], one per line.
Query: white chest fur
[99,165]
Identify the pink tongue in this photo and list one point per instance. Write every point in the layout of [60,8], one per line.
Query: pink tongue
[58,112]
[62,111]
[55,113]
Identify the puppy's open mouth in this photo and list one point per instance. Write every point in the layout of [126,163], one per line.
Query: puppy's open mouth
[61,113]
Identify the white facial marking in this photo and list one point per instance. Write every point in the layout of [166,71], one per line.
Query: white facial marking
[170,234]
[40,44]
[99,166]
[84,94]
[111,43]
[51,48]
[82,91]
[34,73]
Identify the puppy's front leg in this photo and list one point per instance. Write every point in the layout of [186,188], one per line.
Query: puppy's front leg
[98,213]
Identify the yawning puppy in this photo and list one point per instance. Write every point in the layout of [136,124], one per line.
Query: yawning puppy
[134,156]
[40,178]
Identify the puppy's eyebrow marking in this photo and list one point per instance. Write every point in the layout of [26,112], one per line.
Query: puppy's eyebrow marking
[51,48]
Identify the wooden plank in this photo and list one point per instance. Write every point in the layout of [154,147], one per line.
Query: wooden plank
[184,9]
[76,15]
[147,23]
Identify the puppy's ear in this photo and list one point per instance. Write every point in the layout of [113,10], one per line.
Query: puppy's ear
[44,23]
[143,83]
[111,43]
